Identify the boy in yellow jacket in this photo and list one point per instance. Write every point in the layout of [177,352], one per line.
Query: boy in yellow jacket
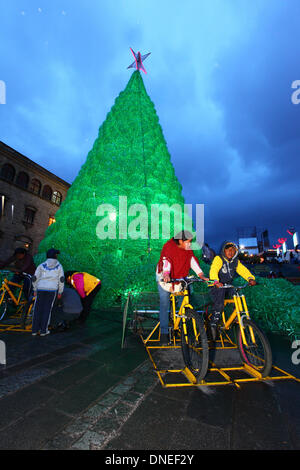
[222,271]
[87,287]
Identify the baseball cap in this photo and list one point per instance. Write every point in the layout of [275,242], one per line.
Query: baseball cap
[52,253]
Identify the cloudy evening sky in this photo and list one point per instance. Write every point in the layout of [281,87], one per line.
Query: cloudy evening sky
[220,76]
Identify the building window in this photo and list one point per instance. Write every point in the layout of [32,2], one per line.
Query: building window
[8,172]
[29,215]
[35,186]
[47,193]
[56,198]
[51,220]
[3,201]
[22,180]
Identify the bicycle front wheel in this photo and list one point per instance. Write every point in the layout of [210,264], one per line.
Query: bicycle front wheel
[26,314]
[257,351]
[194,344]
[3,309]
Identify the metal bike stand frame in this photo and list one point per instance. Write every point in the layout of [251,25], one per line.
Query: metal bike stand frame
[151,342]
[14,328]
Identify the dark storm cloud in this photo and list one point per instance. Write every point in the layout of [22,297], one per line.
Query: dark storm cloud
[254,93]
[219,75]
[247,172]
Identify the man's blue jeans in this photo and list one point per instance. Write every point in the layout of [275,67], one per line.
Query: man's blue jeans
[164,309]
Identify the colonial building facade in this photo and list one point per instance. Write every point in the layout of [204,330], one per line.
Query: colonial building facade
[30,195]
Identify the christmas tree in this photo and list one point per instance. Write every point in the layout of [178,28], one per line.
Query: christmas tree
[125,203]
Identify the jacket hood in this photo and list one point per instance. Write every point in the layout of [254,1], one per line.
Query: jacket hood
[223,246]
[52,263]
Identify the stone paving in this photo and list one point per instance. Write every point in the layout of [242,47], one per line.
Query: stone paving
[79,390]
[104,419]
[69,390]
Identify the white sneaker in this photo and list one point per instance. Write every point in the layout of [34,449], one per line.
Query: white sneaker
[34,334]
[44,334]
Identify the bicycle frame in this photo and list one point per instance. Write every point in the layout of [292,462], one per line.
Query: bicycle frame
[6,293]
[185,304]
[5,288]
[239,311]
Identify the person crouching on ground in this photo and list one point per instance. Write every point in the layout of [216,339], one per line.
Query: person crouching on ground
[87,287]
[48,284]
[222,271]
[175,261]
[67,310]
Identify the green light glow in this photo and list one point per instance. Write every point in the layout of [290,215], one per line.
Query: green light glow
[128,159]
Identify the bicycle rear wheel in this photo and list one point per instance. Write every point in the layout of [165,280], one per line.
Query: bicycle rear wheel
[194,344]
[257,353]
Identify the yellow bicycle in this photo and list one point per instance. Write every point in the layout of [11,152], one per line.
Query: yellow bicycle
[11,296]
[188,325]
[239,330]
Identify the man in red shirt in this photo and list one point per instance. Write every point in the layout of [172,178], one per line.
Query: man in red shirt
[175,261]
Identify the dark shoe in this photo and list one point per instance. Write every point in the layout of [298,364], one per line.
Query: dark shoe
[164,340]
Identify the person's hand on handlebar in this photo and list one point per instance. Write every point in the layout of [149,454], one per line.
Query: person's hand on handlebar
[218,284]
[252,282]
[203,277]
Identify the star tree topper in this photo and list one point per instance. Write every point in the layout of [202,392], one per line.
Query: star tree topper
[138,61]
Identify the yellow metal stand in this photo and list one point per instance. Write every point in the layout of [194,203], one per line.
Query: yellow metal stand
[14,327]
[14,324]
[215,375]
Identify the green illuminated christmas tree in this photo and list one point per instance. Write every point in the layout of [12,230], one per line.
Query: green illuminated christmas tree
[112,223]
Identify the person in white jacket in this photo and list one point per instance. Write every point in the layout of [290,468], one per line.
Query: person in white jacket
[48,284]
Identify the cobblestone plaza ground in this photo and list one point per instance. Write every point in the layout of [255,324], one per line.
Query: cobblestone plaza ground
[79,390]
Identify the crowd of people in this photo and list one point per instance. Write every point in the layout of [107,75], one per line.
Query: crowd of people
[289,257]
[60,298]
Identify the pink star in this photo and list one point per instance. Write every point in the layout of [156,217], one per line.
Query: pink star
[138,60]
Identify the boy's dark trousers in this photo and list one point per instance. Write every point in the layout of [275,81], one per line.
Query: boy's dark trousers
[27,284]
[42,310]
[87,303]
[218,296]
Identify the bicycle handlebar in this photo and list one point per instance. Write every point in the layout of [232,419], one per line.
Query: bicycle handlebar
[189,280]
[4,272]
[228,286]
